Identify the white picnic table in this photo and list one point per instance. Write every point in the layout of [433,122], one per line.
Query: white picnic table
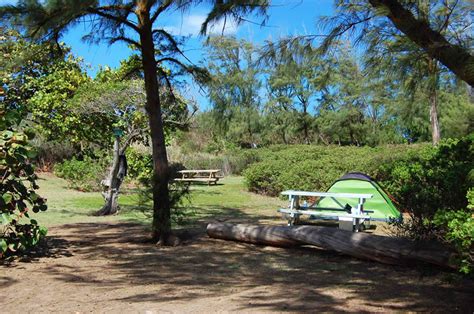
[295,210]
[199,175]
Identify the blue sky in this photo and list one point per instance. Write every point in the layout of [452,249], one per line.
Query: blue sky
[286,17]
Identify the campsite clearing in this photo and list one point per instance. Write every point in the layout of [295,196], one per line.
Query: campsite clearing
[107,265]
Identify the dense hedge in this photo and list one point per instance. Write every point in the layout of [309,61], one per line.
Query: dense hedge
[435,186]
[306,167]
[434,178]
[230,163]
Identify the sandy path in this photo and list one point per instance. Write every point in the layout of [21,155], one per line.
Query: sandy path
[109,268]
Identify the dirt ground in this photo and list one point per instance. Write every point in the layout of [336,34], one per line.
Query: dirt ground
[109,267]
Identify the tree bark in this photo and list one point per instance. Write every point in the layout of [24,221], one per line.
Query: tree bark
[435,131]
[395,251]
[454,57]
[433,99]
[161,226]
[267,235]
[113,183]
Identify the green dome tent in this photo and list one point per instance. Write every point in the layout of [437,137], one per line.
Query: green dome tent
[379,207]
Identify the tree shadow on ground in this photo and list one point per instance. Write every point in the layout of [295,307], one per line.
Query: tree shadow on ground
[49,247]
[257,277]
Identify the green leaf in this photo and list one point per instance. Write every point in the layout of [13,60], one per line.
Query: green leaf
[34,196]
[43,231]
[7,135]
[7,198]
[6,219]
[3,245]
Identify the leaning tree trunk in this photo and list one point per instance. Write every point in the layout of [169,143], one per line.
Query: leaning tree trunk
[455,57]
[161,226]
[113,183]
[386,250]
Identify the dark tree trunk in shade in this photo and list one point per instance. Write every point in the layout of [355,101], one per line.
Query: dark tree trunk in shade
[161,226]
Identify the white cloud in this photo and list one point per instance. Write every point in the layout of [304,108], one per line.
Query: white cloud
[191,25]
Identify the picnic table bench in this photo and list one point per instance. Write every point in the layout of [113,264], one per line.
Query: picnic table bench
[349,216]
[202,175]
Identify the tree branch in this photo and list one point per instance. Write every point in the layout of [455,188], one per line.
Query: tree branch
[165,5]
[172,41]
[125,39]
[454,57]
[112,17]
[129,139]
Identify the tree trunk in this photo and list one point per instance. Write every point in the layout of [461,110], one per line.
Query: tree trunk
[386,250]
[435,132]
[161,226]
[433,99]
[113,183]
[305,124]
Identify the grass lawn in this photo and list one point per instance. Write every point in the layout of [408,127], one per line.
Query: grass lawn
[228,200]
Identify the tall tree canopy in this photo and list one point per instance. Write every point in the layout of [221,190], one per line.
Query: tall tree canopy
[136,23]
[451,46]
[234,88]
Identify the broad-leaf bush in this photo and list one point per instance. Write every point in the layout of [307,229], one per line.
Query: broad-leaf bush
[140,164]
[435,179]
[83,175]
[17,187]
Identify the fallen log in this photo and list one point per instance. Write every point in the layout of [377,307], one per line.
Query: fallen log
[388,250]
[266,235]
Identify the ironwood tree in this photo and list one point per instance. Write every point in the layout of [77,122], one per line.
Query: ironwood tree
[234,88]
[295,77]
[451,48]
[137,24]
[408,59]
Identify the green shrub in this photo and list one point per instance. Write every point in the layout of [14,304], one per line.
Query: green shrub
[140,164]
[435,178]
[83,175]
[50,153]
[230,162]
[456,227]
[263,177]
[315,167]
[17,188]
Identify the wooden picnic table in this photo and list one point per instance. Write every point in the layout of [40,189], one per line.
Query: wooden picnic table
[199,175]
[295,210]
